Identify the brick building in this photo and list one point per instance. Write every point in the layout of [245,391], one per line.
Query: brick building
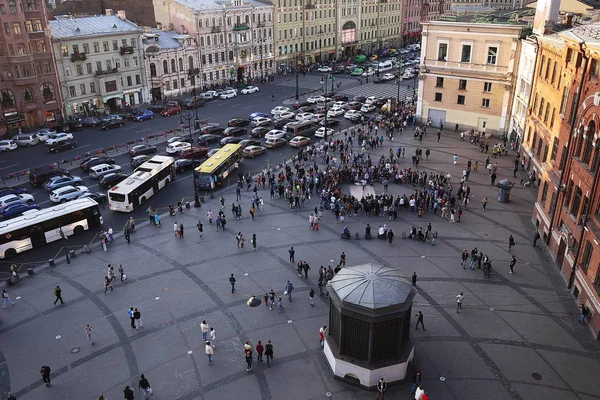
[140,12]
[30,95]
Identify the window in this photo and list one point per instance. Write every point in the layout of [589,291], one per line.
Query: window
[442,51]
[2,9]
[64,50]
[576,201]
[547,113]
[544,193]
[563,102]
[465,55]
[72,91]
[547,69]
[96,47]
[105,45]
[485,103]
[12,5]
[462,84]
[487,87]
[28,96]
[554,73]
[108,64]
[438,96]
[92,87]
[554,152]
[115,45]
[7,28]
[29,26]
[129,81]
[182,82]
[165,67]
[110,86]
[175,83]
[173,68]
[460,100]
[587,256]
[138,80]
[82,88]
[79,70]
[153,70]
[492,55]
[17,28]
[439,82]
[588,146]
[86,48]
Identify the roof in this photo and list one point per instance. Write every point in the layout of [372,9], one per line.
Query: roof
[166,39]
[372,287]
[220,4]
[71,28]
[589,33]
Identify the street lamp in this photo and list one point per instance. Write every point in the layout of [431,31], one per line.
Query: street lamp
[320,46]
[297,86]
[189,118]
[261,42]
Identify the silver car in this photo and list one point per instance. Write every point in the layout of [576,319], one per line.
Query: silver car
[67,193]
[12,199]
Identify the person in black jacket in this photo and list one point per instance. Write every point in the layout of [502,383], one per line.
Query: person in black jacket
[145,386]
[45,371]
[128,393]
[381,387]
[416,382]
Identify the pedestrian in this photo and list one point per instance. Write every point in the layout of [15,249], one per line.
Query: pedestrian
[322,331]
[272,299]
[381,388]
[584,313]
[209,215]
[137,315]
[288,290]
[420,320]
[128,393]
[107,284]
[306,268]
[536,236]
[88,332]
[455,159]
[213,336]
[419,392]
[204,328]
[232,281]
[311,296]
[493,179]
[200,228]
[513,261]
[511,242]
[390,236]
[414,279]
[11,396]
[484,202]
[58,295]
[145,386]
[259,351]
[269,352]
[6,298]
[280,305]
[459,299]
[45,371]
[176,228]
[342,260]
[126,234]
[110,233]
[208,349]
[292,252]
[131,317]
[181,231]
[122,273]
[248,356]
[416,382]
[253,241]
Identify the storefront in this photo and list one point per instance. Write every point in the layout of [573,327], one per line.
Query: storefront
[132,97]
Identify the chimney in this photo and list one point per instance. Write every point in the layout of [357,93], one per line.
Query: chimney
[568,21]
[121,14]
[147,29]
[546,14]
[159,26]
[109,12]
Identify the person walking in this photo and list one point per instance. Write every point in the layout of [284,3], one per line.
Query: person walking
[137,315]
[269,352]
[420,320]
[213,336]
[292,253]
[536,236]
[122,273]
[88,333]
[176,228]
[45,371]
[414,279]
[200,228]
[459,299]
[306,268]
[145,386]
[253,241]
[288,290]
[322,331]
[381,388]
[419,392]
[128,392]
[342,260]
[107,284]
[248,356]
[259,352]
[232,281]
[204,328]
[131,317]
[11,396]
[208,349]
[513,261]
[311,296]
[416,382]
[484,202]
[58,295]
[280,305]
[6,298]
[390,238]
[181,231]
[511,242]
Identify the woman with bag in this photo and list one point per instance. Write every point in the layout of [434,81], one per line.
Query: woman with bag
[145,386]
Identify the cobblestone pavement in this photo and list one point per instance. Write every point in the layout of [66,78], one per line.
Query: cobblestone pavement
[517,336]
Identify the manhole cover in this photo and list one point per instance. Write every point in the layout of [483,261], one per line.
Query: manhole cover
[75,350]
[58,337]
[328,394]
[278,229]
[331,260]
[536,376]
[442,378]
[18,297]
[422,256]
[289,321]
[485,234]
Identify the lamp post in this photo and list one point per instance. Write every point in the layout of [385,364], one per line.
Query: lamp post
[297,86]
[261,42]
[189,118]
[320,46]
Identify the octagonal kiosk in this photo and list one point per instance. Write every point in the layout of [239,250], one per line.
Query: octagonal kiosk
[369,324]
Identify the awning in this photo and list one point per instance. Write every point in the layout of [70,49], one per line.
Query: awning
[13,119]
[112,96]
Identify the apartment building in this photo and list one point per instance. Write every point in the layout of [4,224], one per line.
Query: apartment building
[380,25]
[414,12]
[99,63]
[30,91]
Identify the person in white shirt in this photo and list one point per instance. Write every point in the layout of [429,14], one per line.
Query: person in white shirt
[419,392]
[204,328]
[459,300]
[213,337]
[209,352]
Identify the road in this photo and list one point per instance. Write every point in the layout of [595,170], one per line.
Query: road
[220,111]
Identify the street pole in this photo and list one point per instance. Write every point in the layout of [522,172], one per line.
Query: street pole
[297,87]
[189,118]
[262,75]
[332,82]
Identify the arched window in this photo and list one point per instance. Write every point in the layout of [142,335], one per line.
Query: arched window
[554,72]
[202,41]
[8,98]
[165,67]
[152,69]
[191,62]
[173,68]
[208,40]
[587,145]
[547,69]
[541,71]
[181,64]
[28,95]
[541,109]
[48,93]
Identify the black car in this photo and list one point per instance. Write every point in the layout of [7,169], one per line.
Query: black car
[360,99]
[340,97]
[113,123]
[378,80]
[142,149]
[157,108]
[62,145]
[280,123]
[234,131]
[109,180]
[308,109]
[238,122]
[300,103]
[70,126]
[329,94]
[212,127]
[230,140]
[39,175]
[139,160]
[192,102]
[330,122]
[92,162]
[99,197]
[259,131]
[355,118]
[183,164]
[90,121]
[379,102]
[208,138]
[250,142]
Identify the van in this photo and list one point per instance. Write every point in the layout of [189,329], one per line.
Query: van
[39,175]
[385,66]
[301,128]
[26,139]
[99,170]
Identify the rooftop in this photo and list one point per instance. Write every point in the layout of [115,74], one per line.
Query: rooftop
[166,39]
[221,4]
[65,27]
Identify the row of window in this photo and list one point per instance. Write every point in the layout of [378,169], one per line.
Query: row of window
[109,86]
[85,47]
[31,25]
[460,99]
[218,22]
[235,38]
[27,5]
[462,84]
[35,46]
[466,53]
[110,64]
[7,97]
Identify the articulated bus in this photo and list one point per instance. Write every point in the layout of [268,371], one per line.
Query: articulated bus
[38,227]
[213,172]
[146,180]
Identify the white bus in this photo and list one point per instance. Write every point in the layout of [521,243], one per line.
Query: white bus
[38,227]
[146,180]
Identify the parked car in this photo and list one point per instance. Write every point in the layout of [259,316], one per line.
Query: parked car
[59,181]
[139,160]
[238,122]
[184,164]
[144,115]
[176,147]
[99,197]
[274,143]
[234,131]
[67,193]
[388,77]
[275,134]
[324,68]
[279,110]
[208,138]
[280,123]
[259,131]
[58,137]
[314,99]
[38,176]
[249,142]
[360,99]
[320,133]
[178,139]
[300,103]
[228,94]
[18,209]
[12,199]
[8,145]
[193,102]
[142,149]
[299,141]
[261,121]
[330,122]
[157,108]
[355,105]
[230,140]
[194,152]
[110,124]
[335,112]
[249,89]
[90,121]
[306,109]
[6,190]
[103,169]
[367,108]
[42,134]
[62,145]
[173,110]
[257,115]
[253,151]
[93,161]
[212,127]
[70,126]
[110,180]
[340,97]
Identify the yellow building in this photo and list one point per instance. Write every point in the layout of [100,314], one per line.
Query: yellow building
[466,74]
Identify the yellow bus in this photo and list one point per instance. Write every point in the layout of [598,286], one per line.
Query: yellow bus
[213,172]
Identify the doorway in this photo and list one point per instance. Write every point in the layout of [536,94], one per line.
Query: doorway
[560,255]
[482,125]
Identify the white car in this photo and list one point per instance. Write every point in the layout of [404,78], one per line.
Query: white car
[58,137]
[369,72]
[320,133]
[275,134]
[367,108]
[229,94]
[352,114]
[370,99]
[67,193]
[249,89]
[304,116]
[335,112]
[341,104]
[324,68]
[176,147]
[315,99]
[7,145]
[12,199]
[317,117]
[213,93]
[261,121]
[42,134]
[286,115]
[388,77]
[279,110]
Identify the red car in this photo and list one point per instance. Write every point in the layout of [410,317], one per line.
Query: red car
[170,111]
[198,152]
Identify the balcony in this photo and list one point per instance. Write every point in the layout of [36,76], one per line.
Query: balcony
[78,57]
[310,6]
[107,72]
[260,24]
[216,29]
[241,27]
[126,50]
[25,81]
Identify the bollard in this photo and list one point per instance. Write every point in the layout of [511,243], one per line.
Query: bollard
[72,253]
[187,204]
[51,262]
[30,271]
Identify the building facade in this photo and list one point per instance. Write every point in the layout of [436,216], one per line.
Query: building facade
[522,92]
[380,25]
[414,12]
[466,74]
[30,90]
[235,37]
[99,62]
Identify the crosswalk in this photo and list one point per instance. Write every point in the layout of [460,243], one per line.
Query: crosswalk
[381,89]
